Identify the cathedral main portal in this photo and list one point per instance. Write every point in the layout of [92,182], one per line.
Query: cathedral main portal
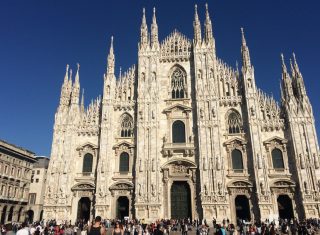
[180,200]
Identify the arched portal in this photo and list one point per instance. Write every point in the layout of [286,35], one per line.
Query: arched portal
[122,207]
[10,215]
[242,208]
[29,216]
[3,214]
[19,214]
[180,200]
[84,206]
[285,207]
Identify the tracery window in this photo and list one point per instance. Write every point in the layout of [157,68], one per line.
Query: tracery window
[234,122]
[126,125]
[87,163]
[177,83]
[178,132]
[277,159]
[237,163]
[124,163]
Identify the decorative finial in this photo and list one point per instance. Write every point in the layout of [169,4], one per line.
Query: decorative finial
[78,66]
[206,6]
[154,10]
[67,67]
[284,67]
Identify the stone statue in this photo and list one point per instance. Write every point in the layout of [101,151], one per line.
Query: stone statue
[302,161]
[213,111]
[205,189]
[140,189]
[306,188]
[316,161]
[205,165]
[218,163]
[140,165]
[153,165]
[153,190]
[165,140]
[263,191]
[259,161]
[220,188]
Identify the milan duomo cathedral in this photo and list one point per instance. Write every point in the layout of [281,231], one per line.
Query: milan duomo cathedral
[181,134]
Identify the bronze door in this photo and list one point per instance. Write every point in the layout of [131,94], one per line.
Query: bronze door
[180,200]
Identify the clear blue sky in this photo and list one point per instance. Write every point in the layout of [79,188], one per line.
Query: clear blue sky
[38,39]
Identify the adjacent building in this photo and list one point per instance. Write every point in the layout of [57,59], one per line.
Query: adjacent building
[37,188]
[183,134]
[15,178]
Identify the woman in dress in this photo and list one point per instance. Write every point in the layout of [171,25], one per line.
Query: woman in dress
[117,229]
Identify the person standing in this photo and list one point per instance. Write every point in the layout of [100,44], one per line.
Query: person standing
[24,229]
[97,228]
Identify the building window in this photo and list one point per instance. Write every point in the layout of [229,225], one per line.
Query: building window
[37,180]
[177,83]
[19,172]
[178,132]
[3,189]
[12,171]
[6,169]
[126,125]
[38,172]
[234,122]
[277,159]
[124,163]
[32,180]
[87,163]
[237,163]
[32,198]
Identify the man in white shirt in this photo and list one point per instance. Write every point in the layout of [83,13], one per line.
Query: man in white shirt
[24,230]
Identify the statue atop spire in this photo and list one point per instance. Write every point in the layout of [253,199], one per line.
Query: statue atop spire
[154,31]
[144,38]
[208,27]
[246,63]
[111,59]
[196,26]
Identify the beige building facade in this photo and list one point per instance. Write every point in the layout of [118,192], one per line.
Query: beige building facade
[37,188]
[15,178]
[183,134]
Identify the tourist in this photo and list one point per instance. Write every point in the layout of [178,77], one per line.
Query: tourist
[117,229]
[9,229]
[24,229]
[96,228]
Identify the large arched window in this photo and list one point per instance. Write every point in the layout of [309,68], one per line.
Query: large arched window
[87,163]
[237,163]
[126,125]
[177,83]
[178,132]
[277,159]
[234,122]
[124,163]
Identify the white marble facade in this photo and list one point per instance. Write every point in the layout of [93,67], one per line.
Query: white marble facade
[182,119]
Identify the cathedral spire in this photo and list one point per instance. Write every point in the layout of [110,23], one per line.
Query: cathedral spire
[66,78]
[154,30]
[65,93]
[143,30]
[286,86]
[82,101]
[196,26]
[76,88]
[298,82]
[246,63]
[111,59]
[208,27]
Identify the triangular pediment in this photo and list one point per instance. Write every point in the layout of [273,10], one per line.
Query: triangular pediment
[275,139]
[235,140]
[122,185]
[179,107]
[87,145]
[123,143]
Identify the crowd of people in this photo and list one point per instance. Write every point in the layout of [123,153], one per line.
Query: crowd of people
[164,227]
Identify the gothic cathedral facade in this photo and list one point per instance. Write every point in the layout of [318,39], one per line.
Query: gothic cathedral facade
[183,134]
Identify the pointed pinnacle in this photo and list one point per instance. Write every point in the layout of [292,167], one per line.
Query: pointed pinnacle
[207,12]
[111,45]
[243,38]
[66,75]
[144,21]
[196,17]
[284,67]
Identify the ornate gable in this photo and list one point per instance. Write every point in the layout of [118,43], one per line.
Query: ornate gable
[235,141]
[176,47]
[177,107]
